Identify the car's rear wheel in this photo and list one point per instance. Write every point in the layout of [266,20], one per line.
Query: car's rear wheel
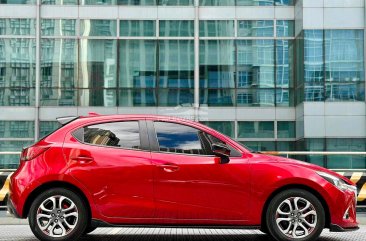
[58,214]
[295,214]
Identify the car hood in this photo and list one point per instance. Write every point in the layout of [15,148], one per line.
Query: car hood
[307,165]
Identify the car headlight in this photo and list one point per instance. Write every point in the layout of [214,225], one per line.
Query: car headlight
[339,183]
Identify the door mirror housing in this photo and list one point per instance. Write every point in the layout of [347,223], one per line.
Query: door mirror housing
[222,151]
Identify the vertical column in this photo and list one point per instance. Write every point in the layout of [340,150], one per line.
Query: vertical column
[38,69]
[196,61]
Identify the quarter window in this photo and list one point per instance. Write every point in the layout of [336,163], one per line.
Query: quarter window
[116,134]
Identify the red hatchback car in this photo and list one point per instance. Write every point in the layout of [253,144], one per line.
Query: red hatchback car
[134,170]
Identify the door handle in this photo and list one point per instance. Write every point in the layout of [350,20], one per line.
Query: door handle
[83,159]
[169,167]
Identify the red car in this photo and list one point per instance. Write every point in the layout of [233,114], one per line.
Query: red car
[143,170]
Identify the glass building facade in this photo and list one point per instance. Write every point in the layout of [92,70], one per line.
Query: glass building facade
[256,70]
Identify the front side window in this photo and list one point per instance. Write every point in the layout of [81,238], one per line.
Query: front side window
[116,134]
[178,138]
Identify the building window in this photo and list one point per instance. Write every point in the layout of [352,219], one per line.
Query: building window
[98,27]
[217,28]
[256,129]
[285,28]
[255,28]
[129,28]
[176,28]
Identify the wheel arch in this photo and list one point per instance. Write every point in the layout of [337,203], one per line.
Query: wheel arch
[296,186]
[55,184]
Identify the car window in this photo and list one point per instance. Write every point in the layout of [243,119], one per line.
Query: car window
[115,134]
[178,138]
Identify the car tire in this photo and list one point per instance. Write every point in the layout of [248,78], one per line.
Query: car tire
[58,214]
[295,214]
[89,229]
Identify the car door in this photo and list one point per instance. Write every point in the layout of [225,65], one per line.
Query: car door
[190,184]
[112,160]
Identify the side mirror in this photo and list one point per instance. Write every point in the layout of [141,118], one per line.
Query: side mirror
[222,151]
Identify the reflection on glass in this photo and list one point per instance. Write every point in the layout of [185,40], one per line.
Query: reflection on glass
[137,97]
[11,161]
[284,63]
[285,28]
[58,97]
[254,2]
[217,28]
[98,60]
[130,28]
[217,2]
[137,64]
[256,129]
[255,63]
[176,97]
[59,63]
[117,134]
[284,2]
[225,127]
[255,28]
[60,2]
[286,129]
[346,162]
[255,97]
[344,65]
[16,129]
[176,2]
[98,27]
[17,1]
[17,26]
[314,65]
[285,97]
[58,27]
[217,97]
[98,2]
[176,28]
[46,127]
[137,2]
[98,97]
[260,145]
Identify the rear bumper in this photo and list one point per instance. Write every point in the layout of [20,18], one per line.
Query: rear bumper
[337,228]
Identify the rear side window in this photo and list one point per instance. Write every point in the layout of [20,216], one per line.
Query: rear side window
[178,138]
[124,134]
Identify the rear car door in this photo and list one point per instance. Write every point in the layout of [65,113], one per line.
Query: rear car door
[191,186]
[112,160]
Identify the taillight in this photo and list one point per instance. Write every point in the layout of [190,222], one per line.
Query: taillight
[32,152]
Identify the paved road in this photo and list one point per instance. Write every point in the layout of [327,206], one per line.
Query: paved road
[22,232]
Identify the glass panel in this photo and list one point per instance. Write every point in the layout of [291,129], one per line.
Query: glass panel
[176,97]
[285,146]
[98,97]
[176,28]
[98,2]
[314,65]
[255,28]
[217,2]
[58,97]
[17,1]
[137,63]
[17,96]
[47,127]
[11,161]
[59,63]
[285,28]
[260,145]
[98,63]
[16,129]
[286,129]
[256,129]
[344,64]
[176,63]
[217,28]
[346,162]
[254,2]
[225,127]
[284,63]
[17,26]
[217,97]
[285,97]
[137,2]
[255,63]
[59,2]
[176,2]
[285,2]
[180,138]
[255,97]
[116,134]
[100,27]
[315,145]
[137,28]
[137,97]
[217,64]
[58,27]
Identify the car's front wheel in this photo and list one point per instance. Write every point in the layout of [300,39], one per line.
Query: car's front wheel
[58,214]
[295,214]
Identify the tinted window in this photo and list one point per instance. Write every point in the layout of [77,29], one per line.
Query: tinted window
[117,134]
[183,139]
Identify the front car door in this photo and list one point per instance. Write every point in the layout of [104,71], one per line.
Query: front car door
[191,186]
[112,160]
